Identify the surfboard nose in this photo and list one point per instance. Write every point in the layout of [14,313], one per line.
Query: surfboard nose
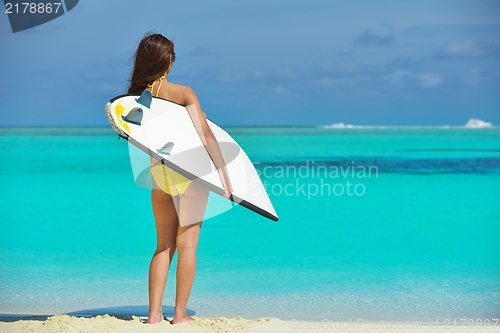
[134,116]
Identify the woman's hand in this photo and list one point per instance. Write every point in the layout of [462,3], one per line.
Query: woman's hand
[226,183]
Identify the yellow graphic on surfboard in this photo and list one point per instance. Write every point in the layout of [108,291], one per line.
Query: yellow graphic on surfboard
[119,111]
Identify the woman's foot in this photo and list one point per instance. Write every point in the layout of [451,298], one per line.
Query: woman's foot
[155,318]
[180,316]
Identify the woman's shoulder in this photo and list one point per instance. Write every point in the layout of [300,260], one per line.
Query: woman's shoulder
[181,88]
[184,93]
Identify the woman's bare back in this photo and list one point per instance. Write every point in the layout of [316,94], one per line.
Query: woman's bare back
[174,92]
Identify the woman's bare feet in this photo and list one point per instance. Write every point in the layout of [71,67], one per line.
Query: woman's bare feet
[180,316]
[155,318]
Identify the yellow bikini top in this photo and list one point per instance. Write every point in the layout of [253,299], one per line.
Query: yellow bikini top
[151,85]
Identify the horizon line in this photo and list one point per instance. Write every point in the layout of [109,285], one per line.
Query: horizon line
[334,126]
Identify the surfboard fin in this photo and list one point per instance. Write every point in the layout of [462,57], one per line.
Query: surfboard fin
[134,116]
[166,149]
[145,99]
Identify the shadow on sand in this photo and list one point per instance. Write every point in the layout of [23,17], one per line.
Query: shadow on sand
[120,312]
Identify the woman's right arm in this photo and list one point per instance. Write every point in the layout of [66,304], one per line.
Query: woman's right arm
[208,138]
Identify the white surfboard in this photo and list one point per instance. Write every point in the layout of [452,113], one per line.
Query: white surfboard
[165,131]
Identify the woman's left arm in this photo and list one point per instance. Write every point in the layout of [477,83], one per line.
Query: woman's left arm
[208,138]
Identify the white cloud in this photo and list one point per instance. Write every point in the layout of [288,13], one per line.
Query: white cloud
[426,80]
[279,75]
[430,80]
[398,77]
[326,82]
[279,90]
[259,75]
[470,49]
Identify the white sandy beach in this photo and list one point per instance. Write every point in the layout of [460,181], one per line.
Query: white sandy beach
[112,324]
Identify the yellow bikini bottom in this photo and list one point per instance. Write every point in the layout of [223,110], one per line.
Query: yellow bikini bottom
[169,181]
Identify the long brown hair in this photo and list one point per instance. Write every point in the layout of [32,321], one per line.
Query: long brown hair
[152,59]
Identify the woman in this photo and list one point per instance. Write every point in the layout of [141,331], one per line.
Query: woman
[178,207]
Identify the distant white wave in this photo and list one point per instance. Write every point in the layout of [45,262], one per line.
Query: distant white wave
[477,123]
[340,125]
[472,123]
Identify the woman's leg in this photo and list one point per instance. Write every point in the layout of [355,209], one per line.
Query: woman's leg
[191,211]
[166,232]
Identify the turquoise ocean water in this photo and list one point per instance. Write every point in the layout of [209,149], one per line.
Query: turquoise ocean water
[412,233]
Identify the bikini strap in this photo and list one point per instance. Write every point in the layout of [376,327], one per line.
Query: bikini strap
[151,85]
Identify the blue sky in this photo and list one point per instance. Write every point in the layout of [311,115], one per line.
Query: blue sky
[265,63]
